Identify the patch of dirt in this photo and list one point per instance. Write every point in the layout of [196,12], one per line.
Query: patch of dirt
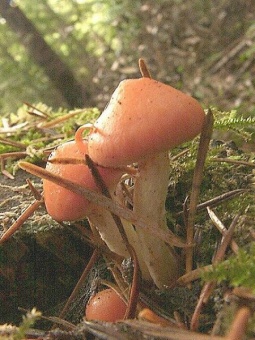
[41,263]
[15,196]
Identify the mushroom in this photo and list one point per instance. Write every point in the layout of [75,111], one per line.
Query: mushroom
[106,305]
[68,161]
[103,220]
[142,122]
[144,117]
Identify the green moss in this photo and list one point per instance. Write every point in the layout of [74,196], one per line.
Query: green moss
[27,322]
[33,138]
[237,270]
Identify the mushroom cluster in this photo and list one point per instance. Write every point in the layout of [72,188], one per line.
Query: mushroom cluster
[142,122]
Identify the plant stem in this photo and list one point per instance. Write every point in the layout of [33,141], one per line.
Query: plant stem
[205,138]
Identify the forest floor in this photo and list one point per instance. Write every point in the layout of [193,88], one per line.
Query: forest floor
[42,262]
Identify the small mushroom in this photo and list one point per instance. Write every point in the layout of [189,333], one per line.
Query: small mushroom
[142,122]
[106,305]
[68,161]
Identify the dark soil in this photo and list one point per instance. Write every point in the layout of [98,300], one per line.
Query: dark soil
[41,263]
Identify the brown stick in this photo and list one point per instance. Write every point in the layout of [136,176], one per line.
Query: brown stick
[197,179]
[223,230]
[22,218]
[144,69]
[238,327]
[209,286]
[233,161]
[215,201]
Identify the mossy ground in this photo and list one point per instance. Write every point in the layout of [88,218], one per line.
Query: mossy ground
[42,262]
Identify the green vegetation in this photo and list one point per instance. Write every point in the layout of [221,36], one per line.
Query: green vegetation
[238,270]
[27,322]
[35,130]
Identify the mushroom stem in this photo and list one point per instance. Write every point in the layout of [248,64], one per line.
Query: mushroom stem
[143,68]
[150,192]
[135,242]
[106,222]
[103,221]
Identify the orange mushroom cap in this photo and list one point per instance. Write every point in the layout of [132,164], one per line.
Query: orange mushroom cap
[143,117]
[63,204]
[106,305]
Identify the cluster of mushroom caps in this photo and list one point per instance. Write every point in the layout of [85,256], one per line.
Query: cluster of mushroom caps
[142,122]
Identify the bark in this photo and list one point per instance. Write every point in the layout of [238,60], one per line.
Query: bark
[56,70]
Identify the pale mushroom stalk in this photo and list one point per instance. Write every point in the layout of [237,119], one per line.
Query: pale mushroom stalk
[150,192]
[103,221]
[109,231]
[134,240]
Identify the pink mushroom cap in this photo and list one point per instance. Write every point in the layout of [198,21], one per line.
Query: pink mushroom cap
[144,117]
[62,204]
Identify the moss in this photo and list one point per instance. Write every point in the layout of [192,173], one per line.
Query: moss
[237,270]
[30,134]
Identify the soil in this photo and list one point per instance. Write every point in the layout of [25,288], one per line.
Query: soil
[41,263]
